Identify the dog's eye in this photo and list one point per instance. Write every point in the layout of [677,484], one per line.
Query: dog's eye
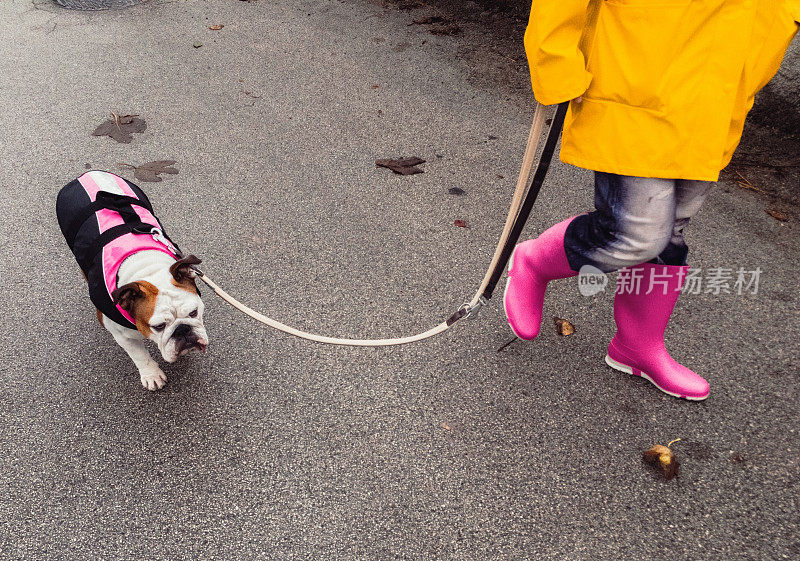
[193,313]
[159,327]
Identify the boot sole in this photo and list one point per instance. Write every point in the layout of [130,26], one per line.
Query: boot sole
[628,370]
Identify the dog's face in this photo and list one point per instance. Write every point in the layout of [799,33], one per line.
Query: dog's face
[167,309]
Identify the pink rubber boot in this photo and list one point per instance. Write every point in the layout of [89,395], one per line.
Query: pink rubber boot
[638,346]
[533,264]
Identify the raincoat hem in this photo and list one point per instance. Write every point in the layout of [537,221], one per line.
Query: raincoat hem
[645,171]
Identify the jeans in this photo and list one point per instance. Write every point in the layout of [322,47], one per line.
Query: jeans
[636,220]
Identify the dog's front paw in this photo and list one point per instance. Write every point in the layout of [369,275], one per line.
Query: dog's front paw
[153,378]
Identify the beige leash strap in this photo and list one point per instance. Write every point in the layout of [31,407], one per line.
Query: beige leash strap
[522,181]
[466,310]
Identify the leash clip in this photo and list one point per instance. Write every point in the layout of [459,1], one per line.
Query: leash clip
[159,236]
[467,311]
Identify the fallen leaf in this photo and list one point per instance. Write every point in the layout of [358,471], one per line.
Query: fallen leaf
[197,44]
[663,459]
[460,223]
[777,215]
[121,127]
[151,170]
[445,29]
[402,166]
[375,86]
[456,191]
[500,176]
[445,426]
[563,327]
[216,27]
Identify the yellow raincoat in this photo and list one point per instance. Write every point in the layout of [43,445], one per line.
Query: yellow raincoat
[666,84]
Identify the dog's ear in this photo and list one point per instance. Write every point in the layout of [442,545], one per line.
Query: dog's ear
[127,296]
[182,270]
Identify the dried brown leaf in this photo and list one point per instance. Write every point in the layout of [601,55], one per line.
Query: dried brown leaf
[563,326]
[445,426]
[121,127]
[216,27]
[460,223]
[402,166]
[151,170]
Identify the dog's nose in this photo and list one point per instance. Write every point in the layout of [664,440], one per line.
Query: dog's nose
[182,330]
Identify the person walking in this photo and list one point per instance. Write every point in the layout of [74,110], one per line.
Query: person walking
[658,91]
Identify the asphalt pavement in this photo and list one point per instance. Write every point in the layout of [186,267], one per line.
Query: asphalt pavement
[271,447]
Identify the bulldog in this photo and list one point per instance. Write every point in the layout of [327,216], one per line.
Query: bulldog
[141,285]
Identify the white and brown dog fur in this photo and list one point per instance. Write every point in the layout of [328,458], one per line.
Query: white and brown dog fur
[161,296]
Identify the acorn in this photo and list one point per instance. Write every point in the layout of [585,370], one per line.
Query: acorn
[563,326]
[663,459]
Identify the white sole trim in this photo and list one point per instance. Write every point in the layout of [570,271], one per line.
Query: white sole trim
[619,366]
[628,370]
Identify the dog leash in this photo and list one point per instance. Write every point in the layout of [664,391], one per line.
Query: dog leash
[521,205]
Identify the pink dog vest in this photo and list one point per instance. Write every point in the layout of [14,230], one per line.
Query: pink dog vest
[105,220]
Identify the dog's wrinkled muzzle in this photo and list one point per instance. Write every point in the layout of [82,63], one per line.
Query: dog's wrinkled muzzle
[186,340]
